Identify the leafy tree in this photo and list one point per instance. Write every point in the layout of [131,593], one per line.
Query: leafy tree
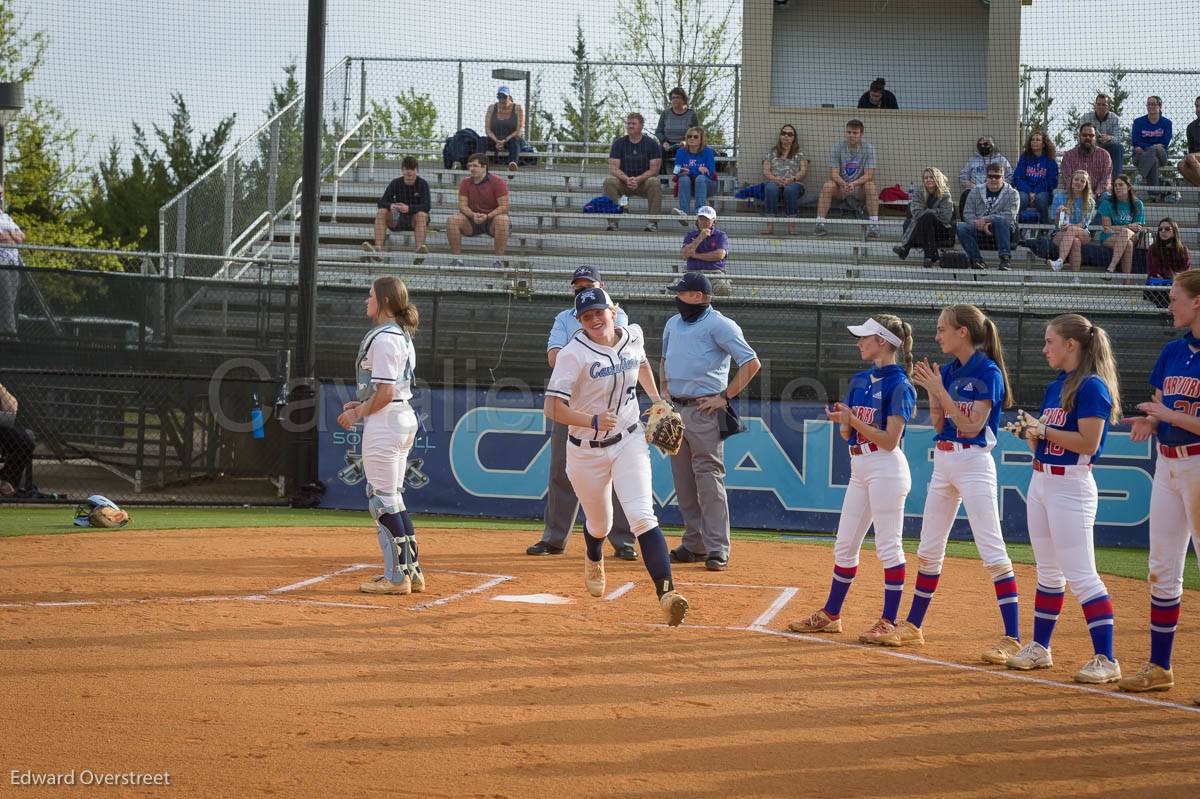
[587,113]
[412,117]
[676,32]
[21,52]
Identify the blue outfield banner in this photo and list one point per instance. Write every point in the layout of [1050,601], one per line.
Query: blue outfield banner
[487,454]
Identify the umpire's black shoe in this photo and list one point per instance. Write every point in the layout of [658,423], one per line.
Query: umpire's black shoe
[542,548]
[682,554]
[625,553]
[716,563]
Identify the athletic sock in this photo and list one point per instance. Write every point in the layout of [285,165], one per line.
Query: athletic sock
[412,538]
[874,218]
[922,596]
[1098,613]
[395,525]
[1006,595]
[820,219]
[595,547]
[1047,604]
[1164,617]
[893,589]
[843,576]
[658,562]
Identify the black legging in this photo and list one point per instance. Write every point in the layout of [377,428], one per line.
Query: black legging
[928,233]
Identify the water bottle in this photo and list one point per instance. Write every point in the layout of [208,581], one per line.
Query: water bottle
[1064,217]
[256,419]
[912,189]
[623,202]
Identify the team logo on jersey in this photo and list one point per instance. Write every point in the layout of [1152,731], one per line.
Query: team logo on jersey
[624,365]
[1182,386]
[966,407]
[864,413]
[1055,417]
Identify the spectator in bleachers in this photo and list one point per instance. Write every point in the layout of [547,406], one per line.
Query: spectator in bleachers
[975,171]
[10,280]
[673,125]
[706,247]
[482,208]
[929,223]
[1189,167]
[504,125]
[851,175]
[990,210]
[634,161]
[1072,211]
[696,168]
[1124,218]
[784,169]
[1036,175]
[878,97]
[16,452]
[405,205]
[1167,256]
[1108,131]
[1091,159]
[1151,138]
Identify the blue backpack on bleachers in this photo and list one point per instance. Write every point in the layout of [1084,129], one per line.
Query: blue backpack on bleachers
[461,146]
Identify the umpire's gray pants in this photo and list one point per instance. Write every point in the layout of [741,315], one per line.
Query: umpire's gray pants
[10,282]
[699,472]
[1149,161]
[562,506]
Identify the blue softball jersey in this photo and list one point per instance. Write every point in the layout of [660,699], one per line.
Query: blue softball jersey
[977,380]
[1177,375]
[875,394]
[1091,400]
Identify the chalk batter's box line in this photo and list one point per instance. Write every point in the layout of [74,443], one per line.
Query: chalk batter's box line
[786,592]
[272,597]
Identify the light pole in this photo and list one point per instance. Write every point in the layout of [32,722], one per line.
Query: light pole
[12,100]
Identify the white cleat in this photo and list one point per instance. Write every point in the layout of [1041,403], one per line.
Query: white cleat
[1098,671]
[1032,656]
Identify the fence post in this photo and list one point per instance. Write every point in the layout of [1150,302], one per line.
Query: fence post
[458,121]
[181,231]
[362,89]
[737,90]
[1046,115]
[345,94]
[587,112]
[227,227]
[168,312]
[272,179]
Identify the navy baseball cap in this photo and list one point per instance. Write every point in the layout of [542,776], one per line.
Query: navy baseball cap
[586,273]
[693,281]
[588,299]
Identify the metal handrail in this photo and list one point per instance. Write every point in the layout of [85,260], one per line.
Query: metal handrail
[337,158]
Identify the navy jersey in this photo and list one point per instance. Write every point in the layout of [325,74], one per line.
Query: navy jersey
[977,380]
[876,394]
[1091,400]
[1177,376]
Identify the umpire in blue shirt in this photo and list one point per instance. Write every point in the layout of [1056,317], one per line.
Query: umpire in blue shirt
[562,506]
[698,344]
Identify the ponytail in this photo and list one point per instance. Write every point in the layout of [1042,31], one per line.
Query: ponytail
[995,351]
[903,331]
[392,296]
[984,336]
[1095,357]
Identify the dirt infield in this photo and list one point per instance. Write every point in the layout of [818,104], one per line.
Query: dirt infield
[243,662]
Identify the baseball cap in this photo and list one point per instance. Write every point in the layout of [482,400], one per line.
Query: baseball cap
[693,281]
[504,90]
[588,299]
[873,328]
[586,273]
[706,211]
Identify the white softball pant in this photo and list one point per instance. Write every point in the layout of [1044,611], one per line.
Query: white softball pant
[596,472]
[1060,513]
[388,437]
[879,484]
[966,476]
[1174,520]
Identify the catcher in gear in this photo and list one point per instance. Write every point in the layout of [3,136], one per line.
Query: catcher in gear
[100,511]
[593,390]
[698,344]
[664,427]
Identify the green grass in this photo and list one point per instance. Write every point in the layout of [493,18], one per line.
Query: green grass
[17,521]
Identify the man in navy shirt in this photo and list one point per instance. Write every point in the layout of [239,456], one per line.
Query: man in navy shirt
[634,162]
[404,205]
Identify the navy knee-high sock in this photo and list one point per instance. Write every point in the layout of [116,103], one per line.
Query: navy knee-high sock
[595,547]
[412,535]
[658,562]
[395,525]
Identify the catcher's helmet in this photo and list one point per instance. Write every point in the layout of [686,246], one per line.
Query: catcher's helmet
[98,511]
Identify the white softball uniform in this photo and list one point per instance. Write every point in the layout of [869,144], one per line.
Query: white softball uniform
[592,378]
[387,357]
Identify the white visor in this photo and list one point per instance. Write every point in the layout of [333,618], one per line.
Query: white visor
[873,328]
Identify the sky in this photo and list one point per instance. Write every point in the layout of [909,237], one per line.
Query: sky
[119,61]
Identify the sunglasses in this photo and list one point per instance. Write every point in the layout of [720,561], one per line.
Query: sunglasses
[787,133]
[1165,229]
[693,136]
[995,177]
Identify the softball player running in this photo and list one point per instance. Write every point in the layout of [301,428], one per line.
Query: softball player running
[1061,501]
[878,405]
[1175,498]
[385,365]
[593,390]
[965,401]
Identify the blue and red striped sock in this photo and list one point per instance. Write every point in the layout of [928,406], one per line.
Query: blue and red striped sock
[1006,596]
[1164,617]
[893,589]
[922,595]
[842,577]
[1047,605]
[1098,613]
